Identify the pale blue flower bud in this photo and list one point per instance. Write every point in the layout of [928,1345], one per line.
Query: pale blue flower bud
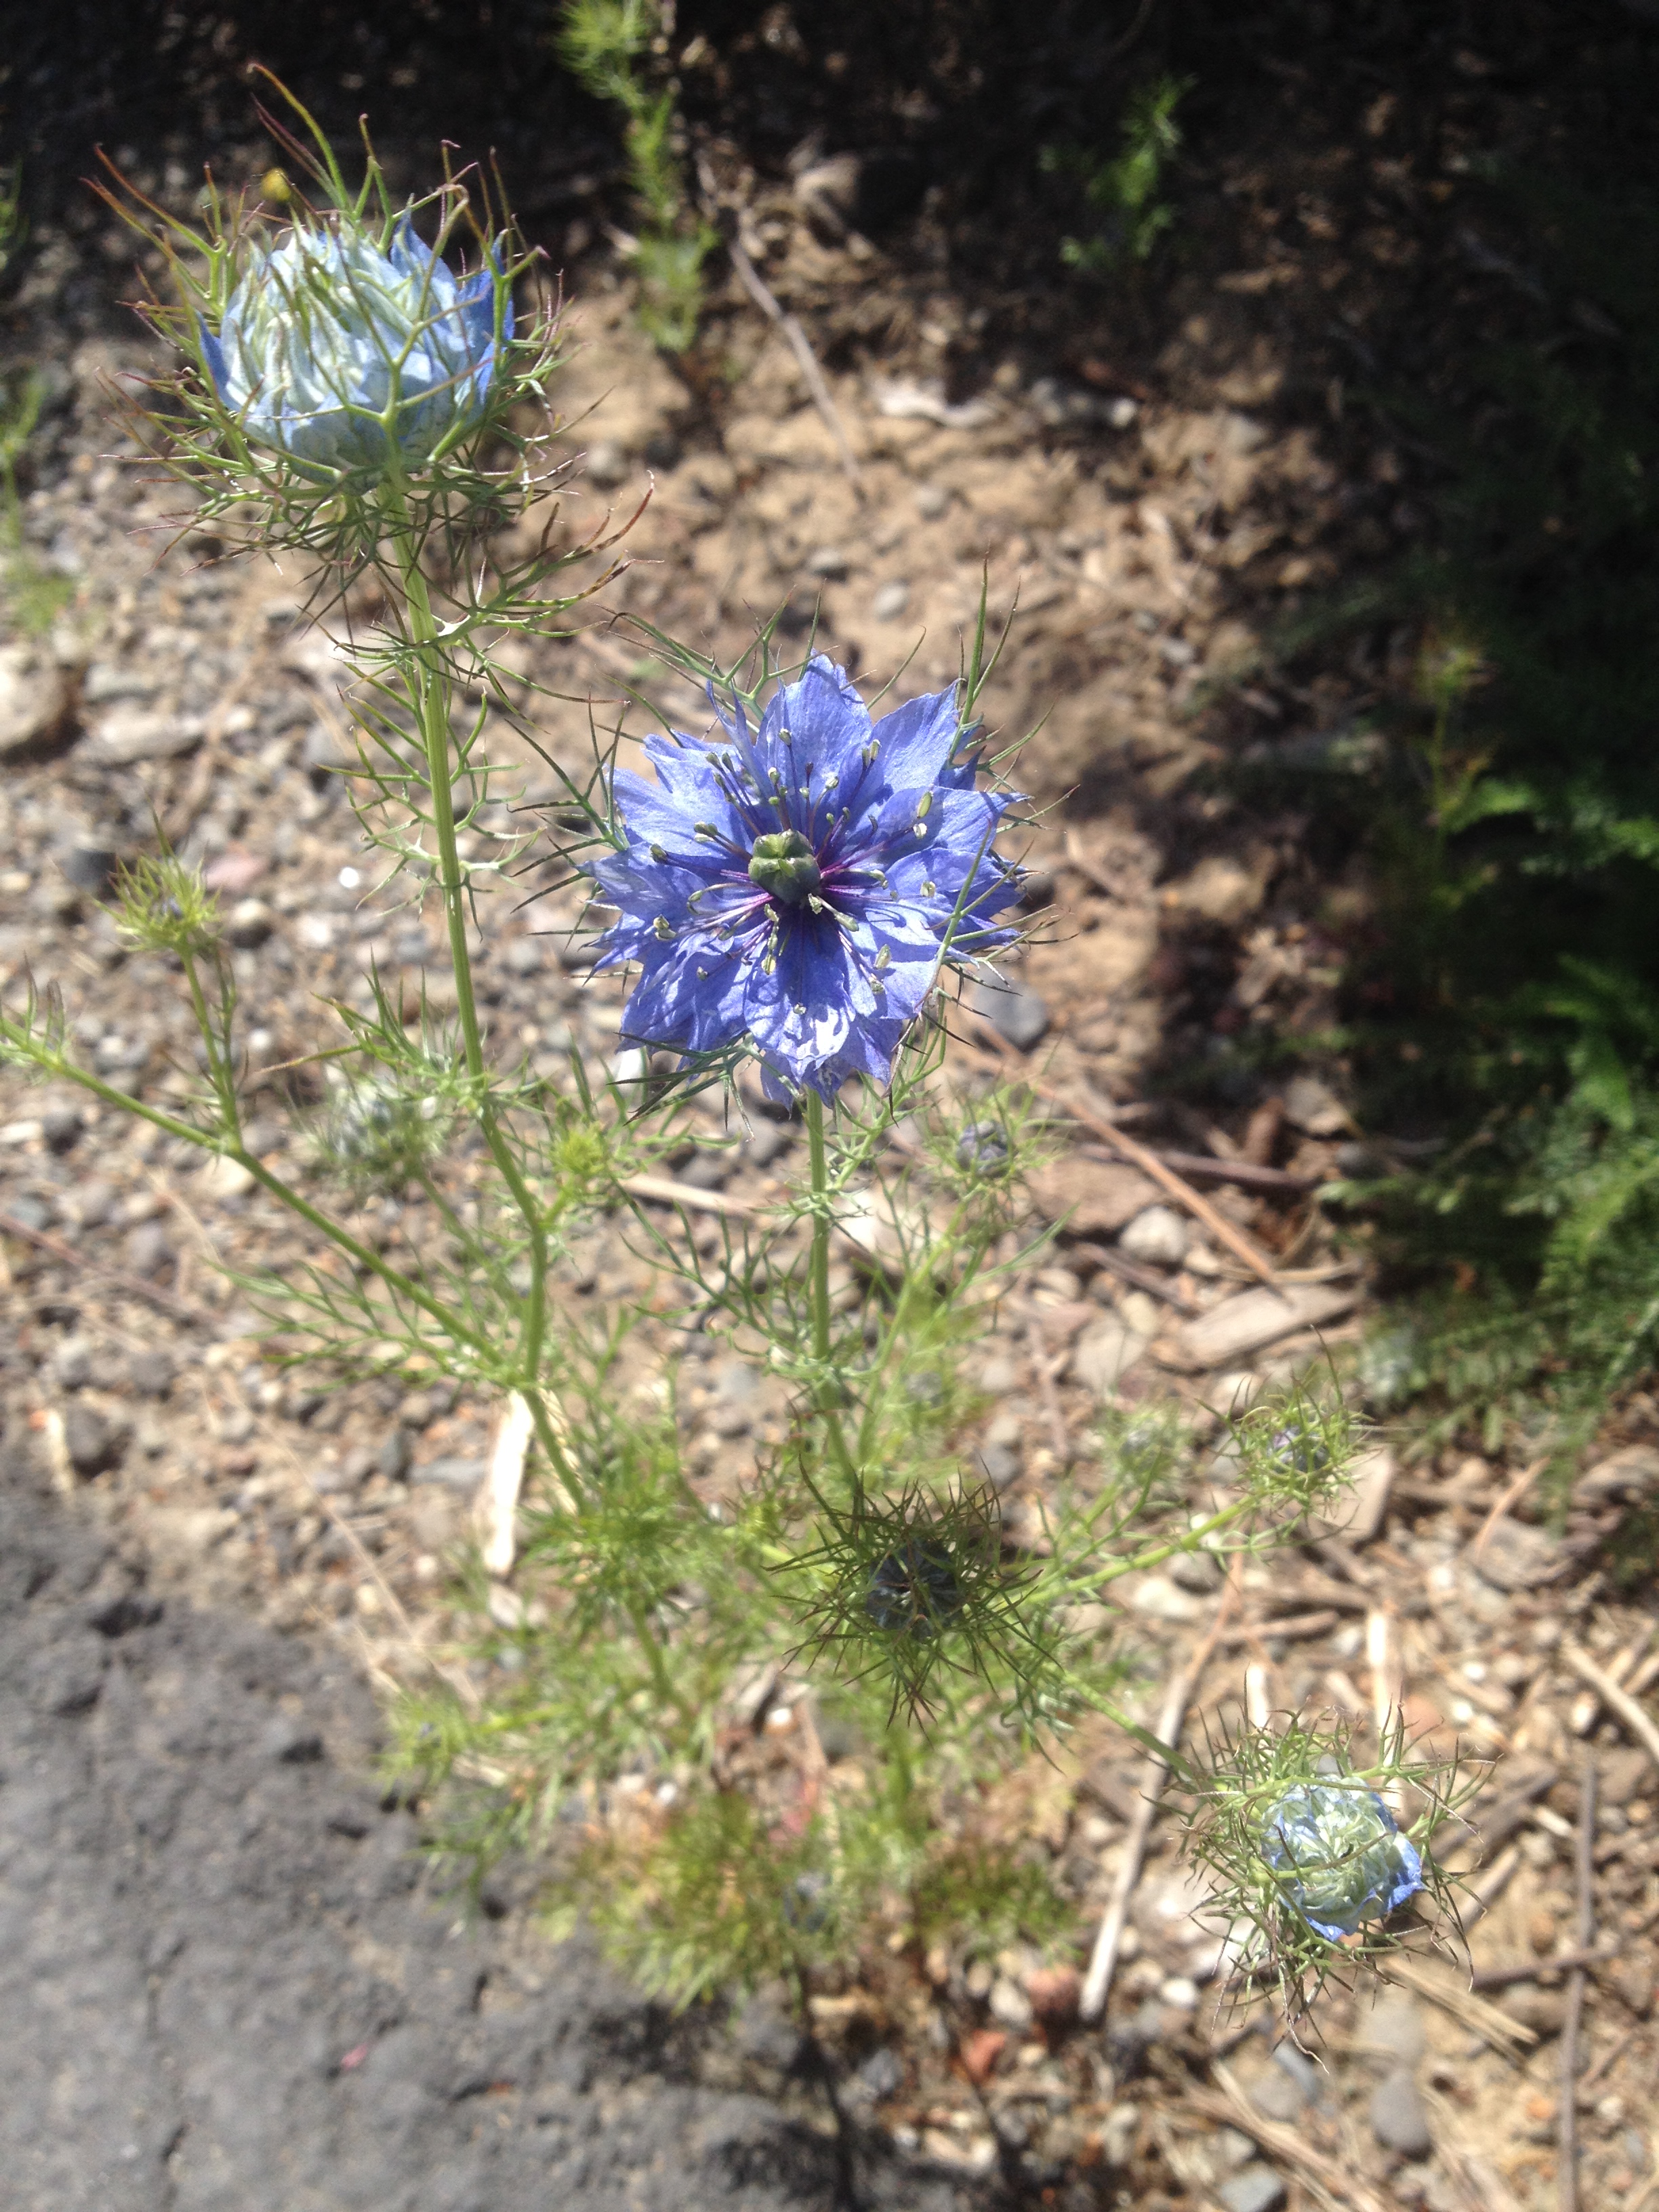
[1339,1855]
[336,352]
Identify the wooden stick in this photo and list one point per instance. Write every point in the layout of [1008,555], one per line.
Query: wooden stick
[755,284]
[1528,1969]
[1296,1624]
[1141,1156]
[1204,1167]
[1613,1697]
[667,1191]
[1154,1773]
[1567,2102]
[1131,1271]
[1488,1527]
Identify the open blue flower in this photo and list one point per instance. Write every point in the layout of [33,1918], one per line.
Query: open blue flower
[335,352]
[796,889]
[1339,1855]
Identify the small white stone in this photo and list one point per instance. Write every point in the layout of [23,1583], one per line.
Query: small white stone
[1159,1235]
[1180,1991]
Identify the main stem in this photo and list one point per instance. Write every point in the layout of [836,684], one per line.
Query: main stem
[818,1156]
[431,686]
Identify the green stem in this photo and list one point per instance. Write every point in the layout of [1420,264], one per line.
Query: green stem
[221,1074]
[431,688]
[660,1678]
[363,1255]
[825,1392]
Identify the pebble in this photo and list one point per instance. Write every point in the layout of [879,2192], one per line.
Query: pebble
[1009,2004]
[1104,1354]
[28,1212]
[1253,2189]
[222,1178]
[1312,1107]
[148,1252]
[931,501]
[61,1126]
[392,1460]
[151,1372]
[93,1444]
[827,561]
[250,923]
[606,465]
[1019,1017]
[1159,1235]
[73,1364]
[457,1473]
[1397,2115]
[1396,2025]
[523,956]
[890,602]
[997,1465]
[90,867]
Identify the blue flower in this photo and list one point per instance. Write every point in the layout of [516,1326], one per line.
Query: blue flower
[335,353]
[1339,1855]
[795,891]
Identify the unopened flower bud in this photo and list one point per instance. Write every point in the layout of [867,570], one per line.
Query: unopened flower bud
[340,353]
[913,1591]
[1339,1855]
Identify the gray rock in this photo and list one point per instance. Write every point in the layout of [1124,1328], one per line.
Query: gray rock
[606,465]
[1104,1354]
[1254,2188]
[931,501]
[707,1169]
[72,1365]
[882,2075]
[1395,2026]
[90,1203]
[90,867]
[1159,1235]
[997,1465]
[93,1444]
[292,1742]
[1516,1556]
[250,922]
[1255,1319]
[1397,2115]
[392,1460]
[28,1212]
[457,1474]
[148,1252]
[36,704]
[61,1126]
[150,1372]
[1313,1107]
[323,755]
[1017,1015]
[523,956]
[890,602]
[827,561]
[127,735]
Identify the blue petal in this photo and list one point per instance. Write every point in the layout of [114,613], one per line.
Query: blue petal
[916,741]
[214,354]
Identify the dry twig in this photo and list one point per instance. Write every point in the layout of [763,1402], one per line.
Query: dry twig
[1141,1156]
[800,345]
[1329,2185]
[1567,2102]
[1154,1774]
[1614,1696]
